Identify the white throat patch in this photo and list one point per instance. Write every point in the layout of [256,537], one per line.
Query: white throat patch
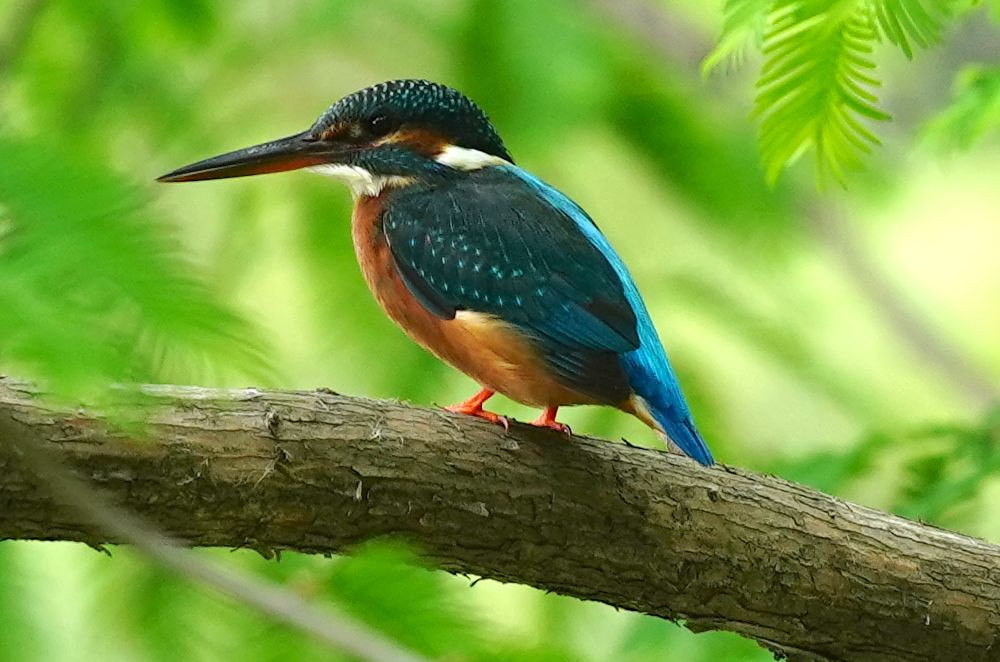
[463,158]
[361,182]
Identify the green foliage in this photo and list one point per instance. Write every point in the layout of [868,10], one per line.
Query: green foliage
[651,114]
[787,367]
[742,29]
[815,91]
[974,112]
[92,291]
[430,620]
[908,23]
[954,464]
[938,471]
[18,636]
[832,472]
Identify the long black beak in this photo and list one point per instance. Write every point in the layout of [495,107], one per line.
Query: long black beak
[299,151]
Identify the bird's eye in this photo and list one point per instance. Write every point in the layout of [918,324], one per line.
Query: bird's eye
[378,125]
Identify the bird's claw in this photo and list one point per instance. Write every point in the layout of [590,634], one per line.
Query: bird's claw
[479,412]
[545,422]
[501,420]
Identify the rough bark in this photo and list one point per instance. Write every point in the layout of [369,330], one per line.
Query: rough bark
[808,575]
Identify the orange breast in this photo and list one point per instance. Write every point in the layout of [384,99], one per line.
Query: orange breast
[482,346]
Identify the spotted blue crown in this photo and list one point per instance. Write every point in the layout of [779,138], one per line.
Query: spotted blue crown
[420,103]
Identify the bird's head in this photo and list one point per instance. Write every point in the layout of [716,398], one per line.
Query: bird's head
[392,132]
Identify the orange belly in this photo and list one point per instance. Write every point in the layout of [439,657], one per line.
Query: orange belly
[482,346]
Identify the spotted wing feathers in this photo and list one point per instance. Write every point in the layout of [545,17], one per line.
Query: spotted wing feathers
[486,243]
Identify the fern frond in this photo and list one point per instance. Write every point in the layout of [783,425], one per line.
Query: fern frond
[906,23]
[742,28]
[815,89]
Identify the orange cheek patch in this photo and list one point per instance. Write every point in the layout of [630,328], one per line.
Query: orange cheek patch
[420,140]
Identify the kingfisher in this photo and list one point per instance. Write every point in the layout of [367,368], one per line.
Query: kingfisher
[479,261]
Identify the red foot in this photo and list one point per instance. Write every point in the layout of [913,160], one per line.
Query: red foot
[548,420]
[474,407]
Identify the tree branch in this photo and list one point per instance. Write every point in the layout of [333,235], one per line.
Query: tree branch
[807,575]
[327,626]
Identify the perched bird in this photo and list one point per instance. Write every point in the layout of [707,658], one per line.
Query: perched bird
[482,263]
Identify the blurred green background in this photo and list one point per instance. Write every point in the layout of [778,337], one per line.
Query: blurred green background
[846,339]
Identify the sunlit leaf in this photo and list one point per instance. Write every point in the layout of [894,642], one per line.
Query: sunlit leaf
[909,23]
[742,29]
[815,89]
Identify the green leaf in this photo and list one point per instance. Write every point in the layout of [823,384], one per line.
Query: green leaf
[958,462]
[815,89]
[93,290]
[906,23]
[973,114]
[742,28]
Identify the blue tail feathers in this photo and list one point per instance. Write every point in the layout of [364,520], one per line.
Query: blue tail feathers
[680,428]
[647,367]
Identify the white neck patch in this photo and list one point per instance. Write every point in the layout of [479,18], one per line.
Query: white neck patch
[361,182]
[463,158]
[365,183]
